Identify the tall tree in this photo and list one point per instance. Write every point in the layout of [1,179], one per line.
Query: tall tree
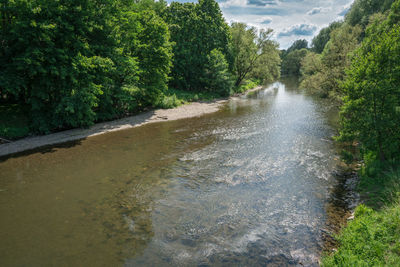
[74,62]
[333,62]
[323,37]
[292,57]
[249,47]
[361,10]
[196,30]
[371,111]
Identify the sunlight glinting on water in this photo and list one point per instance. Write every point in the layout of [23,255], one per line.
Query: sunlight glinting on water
[247,185]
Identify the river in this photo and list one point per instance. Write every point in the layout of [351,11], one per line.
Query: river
[246,186]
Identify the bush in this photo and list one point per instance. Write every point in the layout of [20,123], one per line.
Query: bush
[168,102]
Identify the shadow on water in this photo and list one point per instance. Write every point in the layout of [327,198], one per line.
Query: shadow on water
[80,133]
[42,150]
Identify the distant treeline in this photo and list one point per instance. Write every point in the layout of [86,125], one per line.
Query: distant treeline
[356,62]
[71,63]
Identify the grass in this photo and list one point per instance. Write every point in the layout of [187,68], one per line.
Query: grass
[176,97]
[247,85]
[373,237]
[191,96]
[13,121]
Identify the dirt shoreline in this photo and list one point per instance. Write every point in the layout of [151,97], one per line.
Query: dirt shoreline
[194,109]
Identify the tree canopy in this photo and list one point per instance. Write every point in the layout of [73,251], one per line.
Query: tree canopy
[72,63]
[253,50]
[371,110]
[196,30]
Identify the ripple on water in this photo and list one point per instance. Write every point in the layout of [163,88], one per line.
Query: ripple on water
[246,186]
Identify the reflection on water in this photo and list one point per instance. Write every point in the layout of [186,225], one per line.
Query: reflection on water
[245,186]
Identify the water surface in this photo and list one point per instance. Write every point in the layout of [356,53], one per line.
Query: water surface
[247,185]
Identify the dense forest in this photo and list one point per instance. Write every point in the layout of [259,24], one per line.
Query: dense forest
[356,63]
[68,64]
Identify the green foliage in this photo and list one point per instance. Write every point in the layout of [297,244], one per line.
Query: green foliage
[75,62]
[370,116]
[313,74]
[324,74]
[168,102]
[251,53]
[13,121]
[379,182]
[291,63]
[297,45]
[217,77]
[247,85]
[72,63]
[185,96]
[346,156]
[361,11]
[373,93]
[323,37]
[336,43]
[196,30]
[370,240]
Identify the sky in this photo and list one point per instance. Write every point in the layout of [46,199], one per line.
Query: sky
[290,19]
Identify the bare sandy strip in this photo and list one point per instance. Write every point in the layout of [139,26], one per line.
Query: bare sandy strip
[191,110]
[194,109]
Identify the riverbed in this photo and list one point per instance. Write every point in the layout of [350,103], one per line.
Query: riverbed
[248,185]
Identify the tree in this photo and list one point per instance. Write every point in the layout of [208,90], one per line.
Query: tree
[291,63]
[297,45]
[217,76]
[318,43]
[48,61]
[74,62]
[313,74]
[361,10]
[267,69]
[370,113]
[196,30]
[334,60]
[249,49]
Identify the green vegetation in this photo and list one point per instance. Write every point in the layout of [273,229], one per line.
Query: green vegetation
[323,69]
[322,74]
[247,85]
[74,63]
[254,55]
[372,239]
[359,68]
[292,58]
[13,121]
[184,96]
[319,41]
[370,113]
[196,30]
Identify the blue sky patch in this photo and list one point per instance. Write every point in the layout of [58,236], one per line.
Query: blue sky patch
[290,19]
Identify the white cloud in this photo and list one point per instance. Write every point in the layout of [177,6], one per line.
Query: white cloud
[284,15]
[299,30]
[318,10]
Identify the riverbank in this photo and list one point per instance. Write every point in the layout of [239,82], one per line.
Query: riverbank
[371,237]
[193,109]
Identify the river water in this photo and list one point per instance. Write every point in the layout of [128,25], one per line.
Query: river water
[246,186]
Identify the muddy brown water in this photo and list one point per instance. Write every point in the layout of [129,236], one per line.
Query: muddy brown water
[246,186]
